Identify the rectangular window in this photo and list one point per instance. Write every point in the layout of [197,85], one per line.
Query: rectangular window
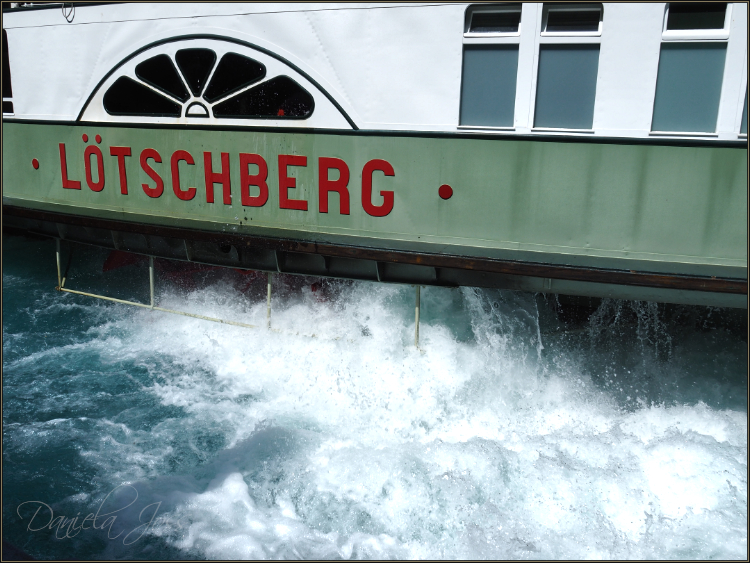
[7,90]
[562,20]
[696,20]
[696,15]
[493,20]
[688,87]
[488,85]
[572,19]
[566,86]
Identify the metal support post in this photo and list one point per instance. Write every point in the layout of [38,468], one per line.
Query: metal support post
[416,320]
[151,278]
[57,255]
[268,301]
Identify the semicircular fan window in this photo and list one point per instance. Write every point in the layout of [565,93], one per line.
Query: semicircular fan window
[196,86]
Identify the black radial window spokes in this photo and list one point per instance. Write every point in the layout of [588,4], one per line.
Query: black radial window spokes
[279,98]
[233,73]
[196,65]
[230,90]
[128,97]
[159,72]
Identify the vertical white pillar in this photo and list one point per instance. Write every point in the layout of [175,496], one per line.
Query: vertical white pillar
[416,320]
[268,301]
[57,255]
[151,278]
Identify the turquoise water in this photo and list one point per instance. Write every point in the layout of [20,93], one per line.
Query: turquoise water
[505,437]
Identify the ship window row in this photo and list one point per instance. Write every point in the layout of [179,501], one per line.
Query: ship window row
[505,20]
[689,78]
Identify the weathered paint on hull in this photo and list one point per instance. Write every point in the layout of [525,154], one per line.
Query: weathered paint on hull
[676,210]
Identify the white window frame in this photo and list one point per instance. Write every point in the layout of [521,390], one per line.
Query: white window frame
[547,8]
[492,9]
[696,34]
[493,38]
[559,38]
[738,120]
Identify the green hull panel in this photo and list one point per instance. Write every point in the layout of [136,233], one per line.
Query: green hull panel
[669,209]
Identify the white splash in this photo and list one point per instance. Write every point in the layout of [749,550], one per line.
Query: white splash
[487,443]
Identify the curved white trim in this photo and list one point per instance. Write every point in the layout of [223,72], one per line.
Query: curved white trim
[113,54]
[324,115]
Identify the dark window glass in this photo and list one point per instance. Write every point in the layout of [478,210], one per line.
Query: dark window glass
[7,107]
[128,97]
[196,65]
[278,98]
[233,73]
[699,15]
[688,86]
[566,86]
[495,22]
[161,73]
[573,20]
[7,91]
[488,86]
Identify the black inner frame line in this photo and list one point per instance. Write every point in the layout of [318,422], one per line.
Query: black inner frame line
[248,129]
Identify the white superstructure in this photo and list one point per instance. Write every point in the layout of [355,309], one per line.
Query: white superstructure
[387,66]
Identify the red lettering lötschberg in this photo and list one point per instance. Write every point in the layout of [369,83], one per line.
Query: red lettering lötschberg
[387,206]
[159,188]
[121,153]
[286,182]
[325,186]
[67,184]
[177,156]
[217,178]
[259,180]
[99,184]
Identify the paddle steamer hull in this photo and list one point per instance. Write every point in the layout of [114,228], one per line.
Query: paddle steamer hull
[632,216]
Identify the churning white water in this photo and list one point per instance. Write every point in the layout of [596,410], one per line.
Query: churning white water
[503,437]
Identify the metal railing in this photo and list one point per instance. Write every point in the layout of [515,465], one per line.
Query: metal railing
[61,287]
